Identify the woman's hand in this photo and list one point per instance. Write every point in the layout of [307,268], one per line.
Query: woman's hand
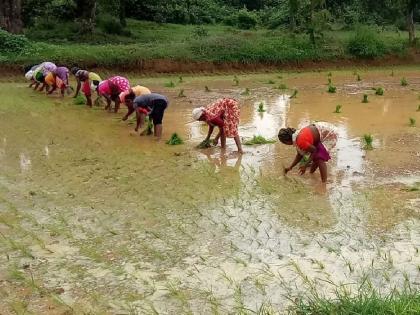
[286,170]
[215,141]
[302,170]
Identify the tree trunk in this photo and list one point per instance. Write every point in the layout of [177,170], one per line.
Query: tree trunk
[410,23]
[86,11]
[122,13]
[10,15]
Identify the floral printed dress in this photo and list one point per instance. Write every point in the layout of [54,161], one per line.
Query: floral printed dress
[228,111]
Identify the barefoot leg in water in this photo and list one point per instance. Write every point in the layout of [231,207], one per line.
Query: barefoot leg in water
[323,170]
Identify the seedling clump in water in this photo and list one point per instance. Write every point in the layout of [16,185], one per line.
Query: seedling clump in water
[261,108]
[404,82]
[418,108]
[170,84]
[246,92]
[181,80]
[271,82]
[181,93]
[206,89]
[295,92]
[338,109]
[359,78]
[79,100]
[332,88]
[236,80]
[258,140]
[204,144]
[149,129]
[174,140]
[368,141]
[379,91]
[365,99]
[412,122]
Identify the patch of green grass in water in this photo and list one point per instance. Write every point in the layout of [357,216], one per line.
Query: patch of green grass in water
[258,140]
[261,108]
[412,122]
[367,141]
[175,140]
[331,88]
[338,109]
[379,91]
[365,98]
[246,92]
[170,84]
[404,82]
[79,100]
[294,95]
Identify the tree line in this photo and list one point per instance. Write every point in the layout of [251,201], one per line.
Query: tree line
[309,16]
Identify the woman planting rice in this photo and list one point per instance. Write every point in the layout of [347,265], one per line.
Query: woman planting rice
[224,114]
[111,90]
[128,97]
[87,81]
[59,78]
[152,105]
[310,141]
[41,72]
[29,74]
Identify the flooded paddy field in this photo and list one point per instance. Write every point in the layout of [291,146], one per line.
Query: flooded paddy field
[97,220]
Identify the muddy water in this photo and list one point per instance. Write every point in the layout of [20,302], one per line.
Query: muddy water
[94,218]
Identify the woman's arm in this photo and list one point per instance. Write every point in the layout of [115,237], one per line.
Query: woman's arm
[297,159]
[211,128]
[222,137]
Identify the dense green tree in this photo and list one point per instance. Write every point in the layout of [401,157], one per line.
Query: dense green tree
[11,15]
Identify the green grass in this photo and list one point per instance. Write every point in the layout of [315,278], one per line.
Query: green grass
[79,100]
[379,91]
[258,140]
[261,108]
[294,95]
[331,89]
[150,40]
[404,82]
[364,303]
[412,122]
[365,98]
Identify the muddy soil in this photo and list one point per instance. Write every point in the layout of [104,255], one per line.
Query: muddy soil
[96,219]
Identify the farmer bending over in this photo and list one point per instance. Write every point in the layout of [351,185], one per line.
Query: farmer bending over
[88,82]
[224,114]
[310,141]
[111,90]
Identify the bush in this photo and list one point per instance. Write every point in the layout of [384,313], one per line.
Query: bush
[366,44]
[11,43]
[246,19]
[110,25]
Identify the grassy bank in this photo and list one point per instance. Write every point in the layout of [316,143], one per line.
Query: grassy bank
[210,43]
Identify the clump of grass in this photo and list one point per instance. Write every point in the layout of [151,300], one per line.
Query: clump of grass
[338,109]
[170,84]
[204,144]
[181,93]
[149,129]
[79,100]
[365,98]
[359,78]
[282,86]
[175,139]
[271,82]
[404,82]
[379,91]
[180,79]
[368,141]
[392,73]
[412,122]
[329,74]
[235,80]
[261,108]
[329,81]
[246,92]
[331,88]
[294,95]
[258,140]
[206,89]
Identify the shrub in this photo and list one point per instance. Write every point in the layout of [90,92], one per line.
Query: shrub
[365,44]
[246,20]
[111,25]
[11,43]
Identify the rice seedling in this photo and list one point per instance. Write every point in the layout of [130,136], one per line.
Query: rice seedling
[379,91]
[206,89]
[181,93]
[418,108]
[412,122]
[258,140]
[329,81]
[174,140]
[79,100]
[261,108]
[170,84]
[180,79]
[204,144]
[365,98]
[404,82]
[294,95]
[359,78]
[282,86]
[149,128]
[331,89]
[235,80]
[271,82]
[338,109]
[367,141]
[246,92]
[392,73]
[329,74]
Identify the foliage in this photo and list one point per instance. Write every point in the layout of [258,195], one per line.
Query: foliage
[294,95]
[246,20]
[258,140]
[379,91]
[404,82]
[367,141]
[175,140]
[338,109]
[111,25]
[331,88]
[366,44]
[11,43]
[204,144]
[365,98]
[79,100]
[261,108]
[412,122]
